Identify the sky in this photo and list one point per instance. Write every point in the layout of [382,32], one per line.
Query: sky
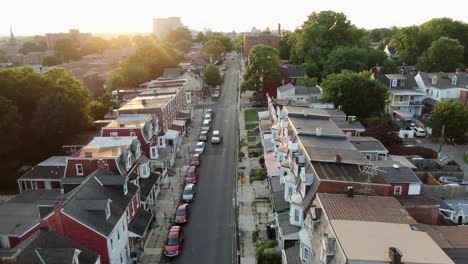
[33,17]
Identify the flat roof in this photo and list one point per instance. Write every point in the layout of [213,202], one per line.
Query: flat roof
[106,147]
[344,172]
[395,172]
[309,124]
[370,241]
[367,144]
[327,149]
[313,111]
[145,103]
[364,208]
[133,120]
[406,92]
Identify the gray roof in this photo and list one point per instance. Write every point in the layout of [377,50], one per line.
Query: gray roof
[309,124]
[173,73]
[91,190]
[355,125]
[275,184]
[23,212]
[307,90]
[394,172]
[458,255]
[343,172]
[279,204]
[395,76]
[286,87]
[141,222]
[51,168]
[293,71]
[293,255]
[146,184]
[367,144]
[49,246]
[314,111]
[444,80]
[285,225]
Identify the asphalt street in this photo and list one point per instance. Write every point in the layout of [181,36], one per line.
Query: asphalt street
[209,235]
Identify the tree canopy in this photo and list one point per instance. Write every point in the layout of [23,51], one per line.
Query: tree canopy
[95,45]
[444,55]
[212,75]
[30,46]
[453,115]
[67,50]
[262,70]
[10,123]
[350,90]
[180,38]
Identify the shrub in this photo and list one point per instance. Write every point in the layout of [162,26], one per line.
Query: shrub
[255,236]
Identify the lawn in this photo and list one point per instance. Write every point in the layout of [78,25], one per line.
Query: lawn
[250,115]
[250,126]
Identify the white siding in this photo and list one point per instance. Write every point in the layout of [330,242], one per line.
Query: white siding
[119,245]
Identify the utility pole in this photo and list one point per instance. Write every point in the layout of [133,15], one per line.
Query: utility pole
[441,139]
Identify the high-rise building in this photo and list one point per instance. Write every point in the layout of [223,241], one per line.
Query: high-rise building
[161,26]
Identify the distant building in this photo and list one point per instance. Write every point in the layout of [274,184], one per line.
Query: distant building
[74,34]
[161,26]
[251,41]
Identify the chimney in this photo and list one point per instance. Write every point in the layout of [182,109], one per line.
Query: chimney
[143,101]
[395,255]
[350,192]
[279,30]
[121,125]
[338,159]
[59,217]
[101,164]
[318,131]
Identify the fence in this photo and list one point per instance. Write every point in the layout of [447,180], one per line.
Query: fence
[444,191]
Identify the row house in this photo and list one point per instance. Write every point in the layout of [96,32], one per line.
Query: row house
[20,216]
[99,214]
[302,93]
[337,221]
[48,246]
[442,86]
[46,175]
[406,98]
[370,147]
[291,73]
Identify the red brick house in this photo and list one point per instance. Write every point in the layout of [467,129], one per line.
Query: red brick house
[99,214]
[45,175]
[251,41]
[403,181]
[144,126]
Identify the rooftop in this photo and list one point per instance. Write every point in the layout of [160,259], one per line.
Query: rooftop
[293,254]
[106,147]
[293,70]
[314,111]
[309,125]
[364,208]
[51,168]
[285,225]
[329,149]
[145,103]
[344,172]
[395,172]
[367,144]
[130,120]
[375,239]
[444,80]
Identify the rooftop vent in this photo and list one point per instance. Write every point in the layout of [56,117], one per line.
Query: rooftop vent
[350,192]
[395,166]
[318,131]
[338,159]
[122,125]
[88,154]
[395,255]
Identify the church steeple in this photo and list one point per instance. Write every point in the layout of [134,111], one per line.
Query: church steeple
[12,37]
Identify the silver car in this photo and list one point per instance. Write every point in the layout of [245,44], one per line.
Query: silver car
[216,137]
[188,195]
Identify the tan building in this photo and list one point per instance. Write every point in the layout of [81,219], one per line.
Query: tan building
[74,34]
[161,26]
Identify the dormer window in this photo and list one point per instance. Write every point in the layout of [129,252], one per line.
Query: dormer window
[125,187]
[454,80]
[154,152]
[434,80]
[108,212]
[75,256]
[132,134]
[129,161]
[138,151]
[79,169]
[394,83]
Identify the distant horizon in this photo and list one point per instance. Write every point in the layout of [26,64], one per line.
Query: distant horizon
[124,17]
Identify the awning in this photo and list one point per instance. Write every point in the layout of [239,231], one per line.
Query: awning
[140,224]
[171,134]
[403,114]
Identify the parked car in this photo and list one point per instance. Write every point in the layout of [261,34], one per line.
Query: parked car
[216,94]
[188,195]
[216,137]
[174,242]
[259,104]
[419,132]
[206,125]
[182,214]
[203,136]
[200,147]
[191,176]
[210,111]
[449,180]
[195,160]
[207,117]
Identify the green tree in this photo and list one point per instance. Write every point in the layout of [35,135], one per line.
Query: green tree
[322,33]
[406,43]
[121,41]
[349,89]
[221,37]
[3,56]
[67,50]
[62,112]
[212,76]
[51,61]
[94,46]
[30,46]
[309,82]
[284,47]
[389,67]
[9,127]
[239,42]
[97,110]
[178,34]
[382,34]
[200,37]
[129,75]
[262,70]
[214,47]
[453,115]
[346,58]
[376,57]
[444,55]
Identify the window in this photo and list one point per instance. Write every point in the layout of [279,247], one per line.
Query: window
[369,156]
[290,191]
[305,253]
[34,185]
[454,80]
[118,235]
[427,91]
[154,152]
[132,134]
[107,210]
[394,83]
[129,162]
[112,243]
[397,190]
[79,169]
[296,215]
[437,94]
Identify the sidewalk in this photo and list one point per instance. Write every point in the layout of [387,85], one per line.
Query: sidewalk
[171,190]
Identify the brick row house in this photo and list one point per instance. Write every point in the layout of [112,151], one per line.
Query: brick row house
[45,175]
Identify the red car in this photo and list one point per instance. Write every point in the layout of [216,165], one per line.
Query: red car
[182,214]
[203,136]
[174,242]
[195,160]
[191,176]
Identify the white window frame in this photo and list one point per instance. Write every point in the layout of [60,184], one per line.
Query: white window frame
[394,83]
[154,152]
[132,134]
[296,215]
[114,134]
[290,191]
[400,190]
[369,156]
[454,80]
[305,255]
[107,210]
[79,169]
[129,161]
